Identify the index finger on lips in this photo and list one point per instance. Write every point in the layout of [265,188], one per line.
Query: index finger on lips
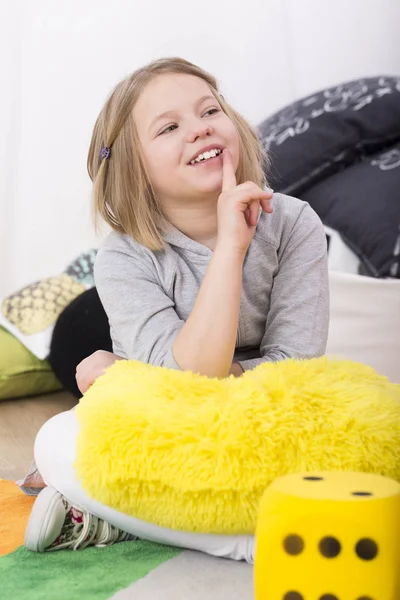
[228,171]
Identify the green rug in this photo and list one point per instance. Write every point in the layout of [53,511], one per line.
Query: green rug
[94,573]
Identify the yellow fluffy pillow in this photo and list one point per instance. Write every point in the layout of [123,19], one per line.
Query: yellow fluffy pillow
[191,453]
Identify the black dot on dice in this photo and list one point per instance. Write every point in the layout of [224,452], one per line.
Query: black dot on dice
[361,493]
[366,549]
[313,478]
[328,597]
[293,596]
[330,547]
[364,598]
[293,545]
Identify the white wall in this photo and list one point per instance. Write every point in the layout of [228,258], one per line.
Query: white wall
[61,59]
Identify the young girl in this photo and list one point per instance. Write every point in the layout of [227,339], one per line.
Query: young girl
[205,270]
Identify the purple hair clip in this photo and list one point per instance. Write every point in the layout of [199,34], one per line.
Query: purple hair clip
[105,152]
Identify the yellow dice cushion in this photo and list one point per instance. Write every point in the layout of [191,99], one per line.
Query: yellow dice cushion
[333,535]
[196,454]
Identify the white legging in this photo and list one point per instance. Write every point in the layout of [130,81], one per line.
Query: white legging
[55,449]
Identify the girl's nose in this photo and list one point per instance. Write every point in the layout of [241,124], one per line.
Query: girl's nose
[199,131]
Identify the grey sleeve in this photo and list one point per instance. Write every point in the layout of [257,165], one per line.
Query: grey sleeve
[143,322]
[298,318]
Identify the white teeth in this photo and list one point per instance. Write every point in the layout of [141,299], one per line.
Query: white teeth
[210,154]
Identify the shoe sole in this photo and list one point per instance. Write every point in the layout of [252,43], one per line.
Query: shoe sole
[39,521]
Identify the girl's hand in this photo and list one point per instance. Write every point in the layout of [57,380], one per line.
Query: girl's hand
[92,367]
[236,370]
[239,208]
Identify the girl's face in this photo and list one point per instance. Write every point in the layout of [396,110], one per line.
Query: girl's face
[177,119]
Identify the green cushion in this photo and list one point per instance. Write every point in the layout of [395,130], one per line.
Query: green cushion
[22,373]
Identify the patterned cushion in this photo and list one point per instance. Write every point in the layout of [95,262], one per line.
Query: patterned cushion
[322,133]
[31,312]
[339,150]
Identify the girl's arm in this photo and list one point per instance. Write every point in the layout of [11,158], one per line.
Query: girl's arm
[206,343]
[90,368]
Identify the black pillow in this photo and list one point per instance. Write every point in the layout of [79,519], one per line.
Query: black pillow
[362,203]
[318,135]
[81,329]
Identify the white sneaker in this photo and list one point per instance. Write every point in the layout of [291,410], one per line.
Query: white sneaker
[55,524]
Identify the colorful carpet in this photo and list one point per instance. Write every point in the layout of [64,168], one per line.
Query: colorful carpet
[128,571]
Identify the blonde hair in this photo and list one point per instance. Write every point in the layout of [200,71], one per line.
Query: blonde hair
[122,192]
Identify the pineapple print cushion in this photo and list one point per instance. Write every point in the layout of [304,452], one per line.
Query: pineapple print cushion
[30,313]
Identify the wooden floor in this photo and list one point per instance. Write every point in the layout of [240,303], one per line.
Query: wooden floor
[20,420]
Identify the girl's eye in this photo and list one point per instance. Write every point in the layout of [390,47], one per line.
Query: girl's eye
[211,111]
[168,129]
